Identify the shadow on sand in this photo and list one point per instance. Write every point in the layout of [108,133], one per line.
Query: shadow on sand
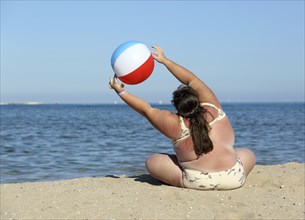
[143,178]
[146,178]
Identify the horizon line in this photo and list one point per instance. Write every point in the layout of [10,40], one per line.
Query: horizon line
[153,103]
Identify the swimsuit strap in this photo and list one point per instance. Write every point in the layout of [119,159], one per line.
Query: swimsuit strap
[221,114]
[209,104]
[185,131]
[183,127]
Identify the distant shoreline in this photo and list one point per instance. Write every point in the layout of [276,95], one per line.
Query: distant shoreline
[26,103]
[22,103]
[122,103]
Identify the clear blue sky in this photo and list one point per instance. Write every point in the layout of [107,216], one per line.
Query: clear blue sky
[59,51]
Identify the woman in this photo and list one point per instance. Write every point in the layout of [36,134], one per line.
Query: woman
[202,135]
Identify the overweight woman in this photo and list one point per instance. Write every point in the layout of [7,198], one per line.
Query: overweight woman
[201,133]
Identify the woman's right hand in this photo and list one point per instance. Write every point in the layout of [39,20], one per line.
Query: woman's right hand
[158,54]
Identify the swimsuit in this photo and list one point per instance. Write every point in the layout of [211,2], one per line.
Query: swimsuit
[221,114]
[196,179]
[186,131]
[229,179]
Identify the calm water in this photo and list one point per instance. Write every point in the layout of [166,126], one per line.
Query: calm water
[51,142]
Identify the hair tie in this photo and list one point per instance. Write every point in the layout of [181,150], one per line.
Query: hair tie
[191,114]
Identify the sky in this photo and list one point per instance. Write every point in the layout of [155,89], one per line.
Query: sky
[60,51]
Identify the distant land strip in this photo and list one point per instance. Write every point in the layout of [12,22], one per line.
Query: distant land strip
[21,103]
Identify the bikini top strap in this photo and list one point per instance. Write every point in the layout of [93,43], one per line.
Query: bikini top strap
[209,104]
[183,127]
[221,114]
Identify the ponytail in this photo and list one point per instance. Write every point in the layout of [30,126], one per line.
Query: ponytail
[200,133]
[186,102]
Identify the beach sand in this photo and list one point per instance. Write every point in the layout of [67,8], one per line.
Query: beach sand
[271,192]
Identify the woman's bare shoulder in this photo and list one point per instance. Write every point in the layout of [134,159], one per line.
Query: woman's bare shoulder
[165,121]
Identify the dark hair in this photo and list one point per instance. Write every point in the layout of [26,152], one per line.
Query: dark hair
[186,102]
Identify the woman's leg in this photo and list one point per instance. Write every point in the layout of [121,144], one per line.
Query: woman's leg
[165,168]
[247,157]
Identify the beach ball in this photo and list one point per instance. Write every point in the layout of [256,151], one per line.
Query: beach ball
[132,62]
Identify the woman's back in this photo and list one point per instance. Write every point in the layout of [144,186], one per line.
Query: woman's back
[222,136]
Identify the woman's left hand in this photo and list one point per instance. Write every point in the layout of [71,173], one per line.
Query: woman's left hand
[114,84]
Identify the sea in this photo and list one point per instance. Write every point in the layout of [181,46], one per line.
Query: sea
[51,142]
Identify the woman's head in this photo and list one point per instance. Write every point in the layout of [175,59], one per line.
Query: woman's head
[186,101]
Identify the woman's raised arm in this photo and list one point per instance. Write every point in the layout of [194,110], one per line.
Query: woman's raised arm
[186,77]
[162,120]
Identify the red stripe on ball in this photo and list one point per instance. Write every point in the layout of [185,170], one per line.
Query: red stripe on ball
[140,74]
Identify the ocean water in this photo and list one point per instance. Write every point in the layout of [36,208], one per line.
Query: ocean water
[53,142]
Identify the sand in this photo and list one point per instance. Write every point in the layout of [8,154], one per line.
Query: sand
[271,192]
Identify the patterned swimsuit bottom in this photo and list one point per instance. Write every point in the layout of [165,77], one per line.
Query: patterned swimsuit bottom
[229,179]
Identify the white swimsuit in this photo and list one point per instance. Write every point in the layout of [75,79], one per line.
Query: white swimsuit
[186,131]
[223,180]
[196,179]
